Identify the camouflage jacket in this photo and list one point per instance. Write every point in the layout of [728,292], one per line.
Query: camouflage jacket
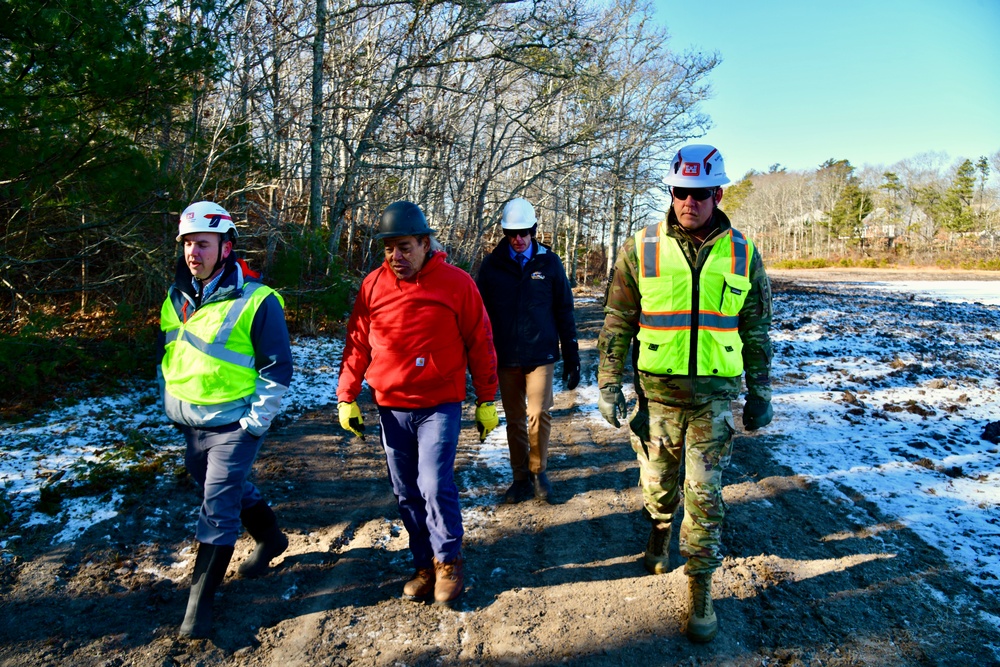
[621,324]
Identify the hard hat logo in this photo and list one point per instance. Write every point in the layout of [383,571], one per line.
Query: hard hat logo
[692,169]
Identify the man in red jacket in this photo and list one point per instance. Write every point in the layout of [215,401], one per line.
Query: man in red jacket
[417,323]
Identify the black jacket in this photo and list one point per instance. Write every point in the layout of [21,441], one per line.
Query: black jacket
[531,310]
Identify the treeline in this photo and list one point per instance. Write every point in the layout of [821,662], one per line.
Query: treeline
[305,119]
[920,211]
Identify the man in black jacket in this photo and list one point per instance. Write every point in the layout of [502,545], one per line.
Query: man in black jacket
[530,306]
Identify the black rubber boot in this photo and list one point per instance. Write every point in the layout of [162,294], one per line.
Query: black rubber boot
[209,570]
[262,525]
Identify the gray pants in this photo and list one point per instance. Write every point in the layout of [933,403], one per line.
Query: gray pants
[220,460]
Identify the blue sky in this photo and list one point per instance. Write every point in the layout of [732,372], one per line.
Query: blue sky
[872,82]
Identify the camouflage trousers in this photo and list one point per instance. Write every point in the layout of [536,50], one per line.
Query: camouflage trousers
[700,438]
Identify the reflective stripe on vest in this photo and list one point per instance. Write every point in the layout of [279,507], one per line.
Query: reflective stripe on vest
[208,357]
[679,323]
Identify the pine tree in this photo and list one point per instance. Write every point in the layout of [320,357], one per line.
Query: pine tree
[983,168]
[853,202]
[737,193]
[956,205]
[87,90]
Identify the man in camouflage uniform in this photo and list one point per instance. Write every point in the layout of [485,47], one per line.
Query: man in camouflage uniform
[692,294]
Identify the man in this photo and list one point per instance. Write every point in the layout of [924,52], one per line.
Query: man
[692,292]
[226,362]
[530,305]
[417,323]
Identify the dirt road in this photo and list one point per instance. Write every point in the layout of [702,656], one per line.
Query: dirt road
[806,581]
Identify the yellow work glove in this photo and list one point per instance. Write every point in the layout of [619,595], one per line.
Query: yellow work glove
[350,418]
[487,419]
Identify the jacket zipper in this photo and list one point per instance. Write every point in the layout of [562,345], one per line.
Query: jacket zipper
[695,310]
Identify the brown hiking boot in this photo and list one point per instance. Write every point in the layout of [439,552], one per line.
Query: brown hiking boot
[657,559]
[450,581]
[702,623]
[421,585]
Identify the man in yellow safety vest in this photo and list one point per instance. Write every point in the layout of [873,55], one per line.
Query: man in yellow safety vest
[691,296]
[226,362]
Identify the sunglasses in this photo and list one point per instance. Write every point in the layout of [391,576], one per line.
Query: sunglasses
[511,233]
[699,194]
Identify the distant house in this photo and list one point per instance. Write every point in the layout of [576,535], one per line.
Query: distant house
[881,226]
[877,225]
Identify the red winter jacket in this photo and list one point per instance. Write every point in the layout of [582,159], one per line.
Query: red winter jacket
[413,339]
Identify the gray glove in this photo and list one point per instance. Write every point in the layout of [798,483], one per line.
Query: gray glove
[757,413]
[610,402]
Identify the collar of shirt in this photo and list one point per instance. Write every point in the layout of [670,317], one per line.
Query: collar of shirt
[206,289]
[528,253]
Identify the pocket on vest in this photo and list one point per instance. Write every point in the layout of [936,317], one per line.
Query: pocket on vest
[734,293]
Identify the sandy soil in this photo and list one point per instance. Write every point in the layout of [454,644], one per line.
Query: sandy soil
[807,581]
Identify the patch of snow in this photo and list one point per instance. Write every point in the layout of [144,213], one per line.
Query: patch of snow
[51,447]
[888,395]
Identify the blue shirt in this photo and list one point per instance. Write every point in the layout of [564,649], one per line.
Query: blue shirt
[528,253]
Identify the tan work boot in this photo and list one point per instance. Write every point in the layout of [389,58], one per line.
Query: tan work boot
[702,623]
[450,581]
[420,586]
[657,559]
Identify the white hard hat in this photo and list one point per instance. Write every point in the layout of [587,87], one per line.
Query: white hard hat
[697,166]
[518,214]
[205,216]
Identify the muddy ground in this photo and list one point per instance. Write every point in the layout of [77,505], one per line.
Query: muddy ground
[806,580]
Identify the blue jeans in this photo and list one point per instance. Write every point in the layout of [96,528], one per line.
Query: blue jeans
[220,460]
[420,453]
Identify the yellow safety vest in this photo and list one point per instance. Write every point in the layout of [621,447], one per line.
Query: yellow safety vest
[689,328]
[209,357]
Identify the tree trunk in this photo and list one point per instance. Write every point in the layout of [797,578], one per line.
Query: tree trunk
[616,213]
[316,126]
[577,226]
